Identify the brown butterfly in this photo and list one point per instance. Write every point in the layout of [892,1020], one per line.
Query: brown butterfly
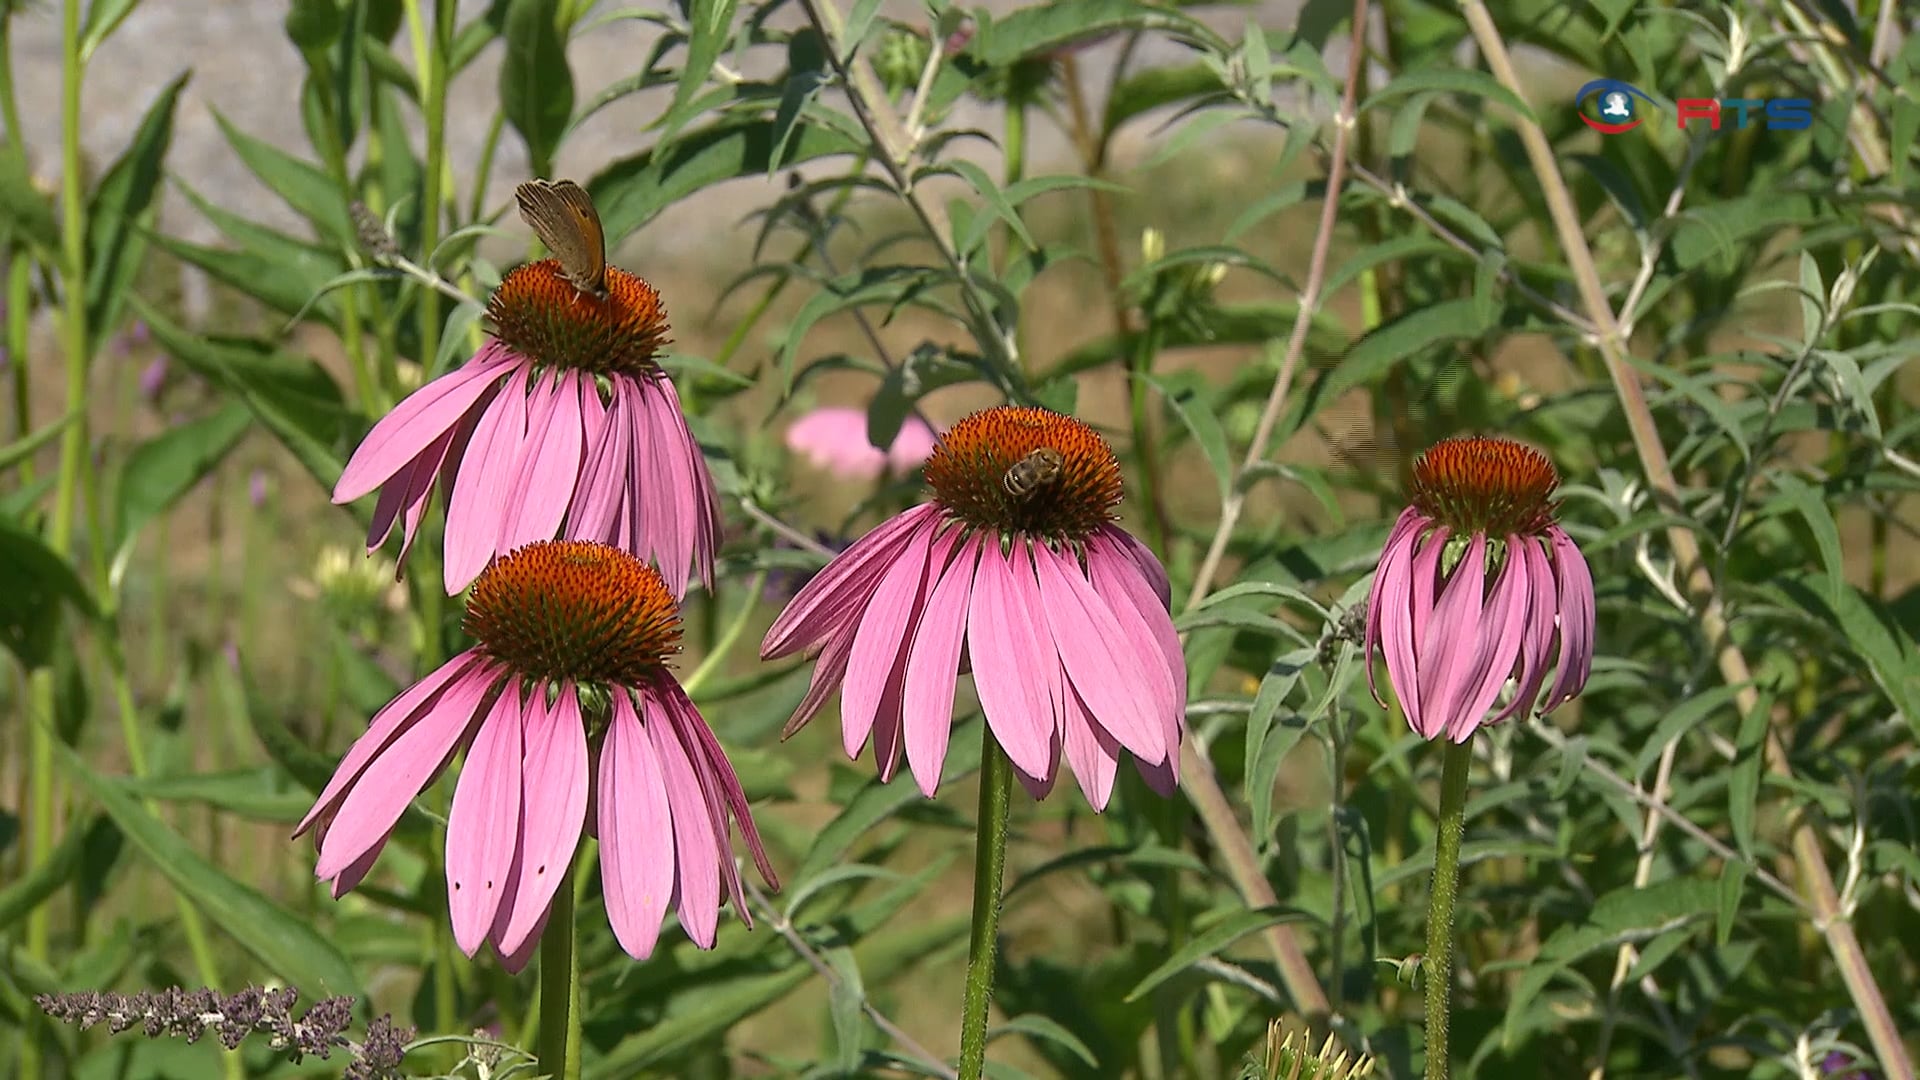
[561,214]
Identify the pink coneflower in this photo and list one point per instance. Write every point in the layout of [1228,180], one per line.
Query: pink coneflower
[1016,570]
[562,426]
[566,702]
[1477,585]
[834,438]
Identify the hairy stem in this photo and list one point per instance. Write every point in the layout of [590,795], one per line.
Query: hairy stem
[989,866]
[1437,979]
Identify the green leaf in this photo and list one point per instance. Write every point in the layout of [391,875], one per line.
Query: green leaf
[889,285]
[25,447]
[1036,1026]
[1391,344]
[261,793]
[844,1001]
[123,209]
[23,208]
[536,84]
[1451,80]
[710,26]
[31,889]
[1743,785]
[288,946]
[103,17]
[303,185]
[996,200]
[1202,420]
[1718,228]
[1876,636]
[33,583]
[1157,87]
[1732,885]
[286,287]
[293,397]
[1213,939]
[1627,914]
[632,191]
[1038,28]
[925,370]
[1812,505]
[164,468]
[696,1015]
[877,801]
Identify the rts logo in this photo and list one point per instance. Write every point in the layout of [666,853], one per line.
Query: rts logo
[1616,107]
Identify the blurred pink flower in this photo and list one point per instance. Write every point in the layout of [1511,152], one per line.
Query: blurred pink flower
[153,378]
[1016,571]
[526,448]
[1477,585]
[597,624]
[834,438]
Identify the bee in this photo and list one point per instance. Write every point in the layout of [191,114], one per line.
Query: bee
[562,216]
[1043,466]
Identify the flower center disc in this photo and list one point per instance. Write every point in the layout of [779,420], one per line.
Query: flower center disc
[1021,470]
[573,611]
[540,315]
[1493,486]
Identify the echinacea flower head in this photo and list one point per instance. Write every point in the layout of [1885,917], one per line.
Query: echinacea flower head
[1478,584]
[562,426]
[566,702]
[1015,570]
[834,438]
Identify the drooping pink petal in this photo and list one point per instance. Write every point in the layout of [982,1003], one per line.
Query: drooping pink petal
[829,671]
[1039,787]
[1124,586]
[1149,564]
[482,485]
[1537,639]
[603,489]
[715,762]
[705,512]
[933,669]
[554,807]
[1161,779]
[1389,601]
[636,831]
[1402,629]
[483,825]
[1448,656]
[689,728]
[845,582]
[880,643]
[418,420]
[547,477]
[420,485]
[666,517]
[515,961]
[388,724]
[1503,626]
[356,872]
[696,859]
[401,771]
[1126,697]
[1091,753]
[406,491]
[1575,588]
[1004,637]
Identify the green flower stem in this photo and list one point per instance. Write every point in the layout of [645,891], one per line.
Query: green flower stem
[989,866]
[1438,976]
[729,637]
[1146,347]
[19,326]
[558,1046]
